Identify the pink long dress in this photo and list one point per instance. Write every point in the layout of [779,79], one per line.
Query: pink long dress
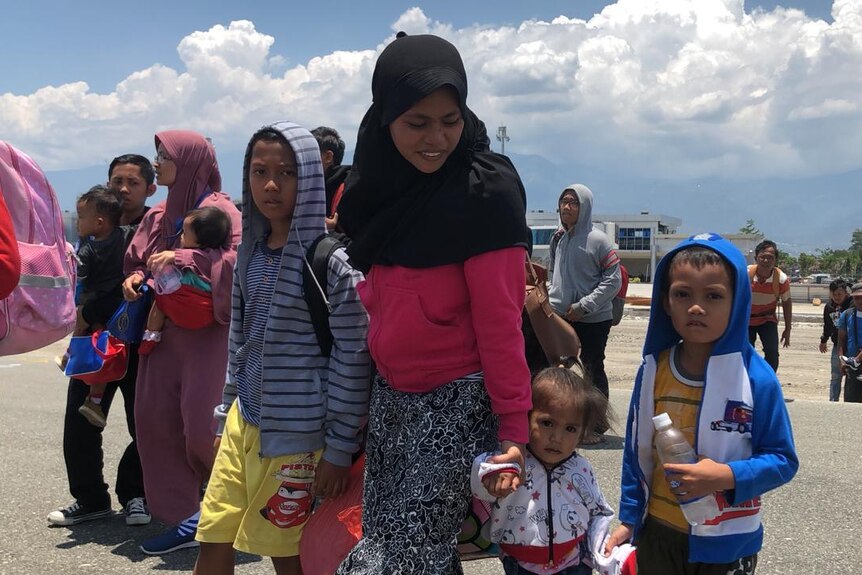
[181,381]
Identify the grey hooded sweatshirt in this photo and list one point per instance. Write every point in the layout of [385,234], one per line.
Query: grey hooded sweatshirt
[307,401]
[585,268]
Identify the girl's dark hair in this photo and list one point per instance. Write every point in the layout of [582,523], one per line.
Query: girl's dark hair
[211,225]
[106,202]
[590,403]
[697,257]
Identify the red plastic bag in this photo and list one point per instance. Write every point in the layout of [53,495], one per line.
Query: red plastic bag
[334,528]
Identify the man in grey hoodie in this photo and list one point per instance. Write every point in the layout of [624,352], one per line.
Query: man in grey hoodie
[585,277]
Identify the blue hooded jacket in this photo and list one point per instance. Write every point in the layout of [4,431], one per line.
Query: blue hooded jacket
[759,449]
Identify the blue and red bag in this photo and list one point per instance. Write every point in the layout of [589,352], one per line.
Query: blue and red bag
[128,322]
[97,358]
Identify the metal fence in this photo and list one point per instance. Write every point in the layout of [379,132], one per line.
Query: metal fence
[805,293]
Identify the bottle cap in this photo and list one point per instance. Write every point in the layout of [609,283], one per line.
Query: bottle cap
[662,421]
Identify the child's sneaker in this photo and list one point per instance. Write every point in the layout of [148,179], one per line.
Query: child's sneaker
[180,537]
[93,412]
[850,361]
[136,512]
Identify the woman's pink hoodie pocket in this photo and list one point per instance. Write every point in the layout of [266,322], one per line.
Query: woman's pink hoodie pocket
[414,335]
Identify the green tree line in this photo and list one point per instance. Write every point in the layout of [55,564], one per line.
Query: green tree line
[846,263]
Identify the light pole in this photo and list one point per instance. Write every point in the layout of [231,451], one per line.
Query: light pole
[502,138]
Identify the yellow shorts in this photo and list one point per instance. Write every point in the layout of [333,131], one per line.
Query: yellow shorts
[260,505]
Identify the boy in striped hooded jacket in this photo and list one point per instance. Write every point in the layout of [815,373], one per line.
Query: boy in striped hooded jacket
[291,416]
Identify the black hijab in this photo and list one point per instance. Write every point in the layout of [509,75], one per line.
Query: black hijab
[397,215]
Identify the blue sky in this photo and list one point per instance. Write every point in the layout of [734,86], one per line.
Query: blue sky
[649,101]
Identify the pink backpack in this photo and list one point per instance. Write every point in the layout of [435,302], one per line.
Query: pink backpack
[41,310]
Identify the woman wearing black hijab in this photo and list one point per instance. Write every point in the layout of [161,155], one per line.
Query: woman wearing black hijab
[437,223]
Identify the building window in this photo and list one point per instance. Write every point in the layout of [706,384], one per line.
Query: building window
[634,239]
[542,237]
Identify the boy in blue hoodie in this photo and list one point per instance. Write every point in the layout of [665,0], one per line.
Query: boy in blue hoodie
[699,368]
[291,416]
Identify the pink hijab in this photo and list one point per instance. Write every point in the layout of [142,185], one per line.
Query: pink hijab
[197,174]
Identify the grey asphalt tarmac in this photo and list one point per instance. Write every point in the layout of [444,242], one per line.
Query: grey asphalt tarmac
[813,525]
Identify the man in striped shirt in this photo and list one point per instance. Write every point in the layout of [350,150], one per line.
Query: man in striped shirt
[769,286]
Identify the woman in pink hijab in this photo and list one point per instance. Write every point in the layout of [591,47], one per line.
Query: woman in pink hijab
[180,382]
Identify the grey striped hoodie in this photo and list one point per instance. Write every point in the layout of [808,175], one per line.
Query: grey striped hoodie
[308,401]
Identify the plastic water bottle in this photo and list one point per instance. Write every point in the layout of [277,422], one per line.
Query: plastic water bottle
[673,447]
[168,280]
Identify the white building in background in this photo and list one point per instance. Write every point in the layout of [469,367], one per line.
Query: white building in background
[70,226]
[640,239]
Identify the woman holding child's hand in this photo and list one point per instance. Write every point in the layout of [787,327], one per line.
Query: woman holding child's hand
[502,484]
[437,223]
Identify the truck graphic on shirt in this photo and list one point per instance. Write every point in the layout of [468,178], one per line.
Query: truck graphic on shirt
[737,417]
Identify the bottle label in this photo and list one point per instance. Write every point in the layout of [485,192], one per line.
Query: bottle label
[168,281]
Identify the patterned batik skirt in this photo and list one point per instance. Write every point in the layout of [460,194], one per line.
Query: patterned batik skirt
[419,453]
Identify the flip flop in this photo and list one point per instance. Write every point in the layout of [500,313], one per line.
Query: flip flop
[593,439]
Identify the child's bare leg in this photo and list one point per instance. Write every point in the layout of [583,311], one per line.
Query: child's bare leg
[287,565]
[153,332]
[215,559]
[97,391]
[156,319]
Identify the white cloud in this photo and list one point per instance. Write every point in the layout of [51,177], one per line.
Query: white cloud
[230,84]
[826,109]
[670,88]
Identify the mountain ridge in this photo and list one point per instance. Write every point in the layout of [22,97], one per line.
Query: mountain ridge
[801,215]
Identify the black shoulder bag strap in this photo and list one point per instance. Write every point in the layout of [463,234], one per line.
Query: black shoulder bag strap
[315,288]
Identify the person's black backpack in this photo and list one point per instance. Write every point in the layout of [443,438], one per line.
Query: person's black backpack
[315,291]
[315,287]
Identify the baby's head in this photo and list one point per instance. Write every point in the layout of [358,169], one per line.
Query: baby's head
[697,294]
[566,407]
[205,228]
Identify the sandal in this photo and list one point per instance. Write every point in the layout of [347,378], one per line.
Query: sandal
[593,439]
